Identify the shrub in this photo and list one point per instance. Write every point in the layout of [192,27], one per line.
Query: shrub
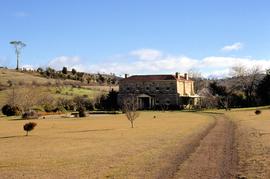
[29,126]
[17,110]
[258,112]
[30,115]
[67,104]
[64,70]
[9,110]
[81,112]
[21,83]
[73,71]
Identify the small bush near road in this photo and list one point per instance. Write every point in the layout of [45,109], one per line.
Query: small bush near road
[29,126]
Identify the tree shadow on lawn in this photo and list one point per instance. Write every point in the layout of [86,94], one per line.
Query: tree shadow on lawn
[15,136]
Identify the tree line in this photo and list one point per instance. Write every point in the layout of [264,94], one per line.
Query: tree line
[246,87]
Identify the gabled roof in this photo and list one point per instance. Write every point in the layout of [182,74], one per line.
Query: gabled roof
[152,78]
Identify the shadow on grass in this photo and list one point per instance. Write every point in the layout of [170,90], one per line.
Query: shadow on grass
[92,130]
[15,136]
[209,112]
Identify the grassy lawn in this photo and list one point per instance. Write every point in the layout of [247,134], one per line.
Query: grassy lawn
[97,146]
[253,136]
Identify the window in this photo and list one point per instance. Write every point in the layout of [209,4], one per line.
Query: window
[157,101]
[128,89]
[147,88]
[168,88]
[157,88]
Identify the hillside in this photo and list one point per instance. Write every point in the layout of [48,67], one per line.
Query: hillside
[57,88]
[51,76]
[21,78]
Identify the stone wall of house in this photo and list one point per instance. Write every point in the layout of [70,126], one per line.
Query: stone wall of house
[185,88]
[167,99]
[148,87]
[163,91]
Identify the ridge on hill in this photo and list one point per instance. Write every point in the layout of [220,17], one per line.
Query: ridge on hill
[52,76]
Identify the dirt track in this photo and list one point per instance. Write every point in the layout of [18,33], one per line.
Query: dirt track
[213,157]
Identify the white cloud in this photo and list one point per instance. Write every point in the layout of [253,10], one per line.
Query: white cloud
[67,61]
[28,67]
[159,63]
[146,54]
[166,64]
[234,47]
[212,66]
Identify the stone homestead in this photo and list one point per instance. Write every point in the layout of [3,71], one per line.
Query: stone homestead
[156,91]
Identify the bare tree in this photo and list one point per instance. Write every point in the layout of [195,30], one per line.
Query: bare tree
[24,98]
[130,107]
[247,79]
[208,100]
[18,45]
[199,81]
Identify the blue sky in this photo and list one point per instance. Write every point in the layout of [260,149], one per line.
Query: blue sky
[137,37]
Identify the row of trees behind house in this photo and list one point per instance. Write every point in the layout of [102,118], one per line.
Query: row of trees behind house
[247,87]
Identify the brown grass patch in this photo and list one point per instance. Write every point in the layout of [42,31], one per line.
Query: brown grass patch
[95,147]
[253,134]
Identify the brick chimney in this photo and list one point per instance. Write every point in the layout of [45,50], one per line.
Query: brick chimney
[126,75]
[177,75]
[186,76]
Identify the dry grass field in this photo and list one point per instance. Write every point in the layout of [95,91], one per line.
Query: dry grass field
[98,146]
[23,77]
[253,138]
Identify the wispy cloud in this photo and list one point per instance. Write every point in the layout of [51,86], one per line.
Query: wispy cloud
[233,47]
[146,54]
[67,61]
[21,14]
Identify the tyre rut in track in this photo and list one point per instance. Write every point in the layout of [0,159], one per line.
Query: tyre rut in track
[212,156]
